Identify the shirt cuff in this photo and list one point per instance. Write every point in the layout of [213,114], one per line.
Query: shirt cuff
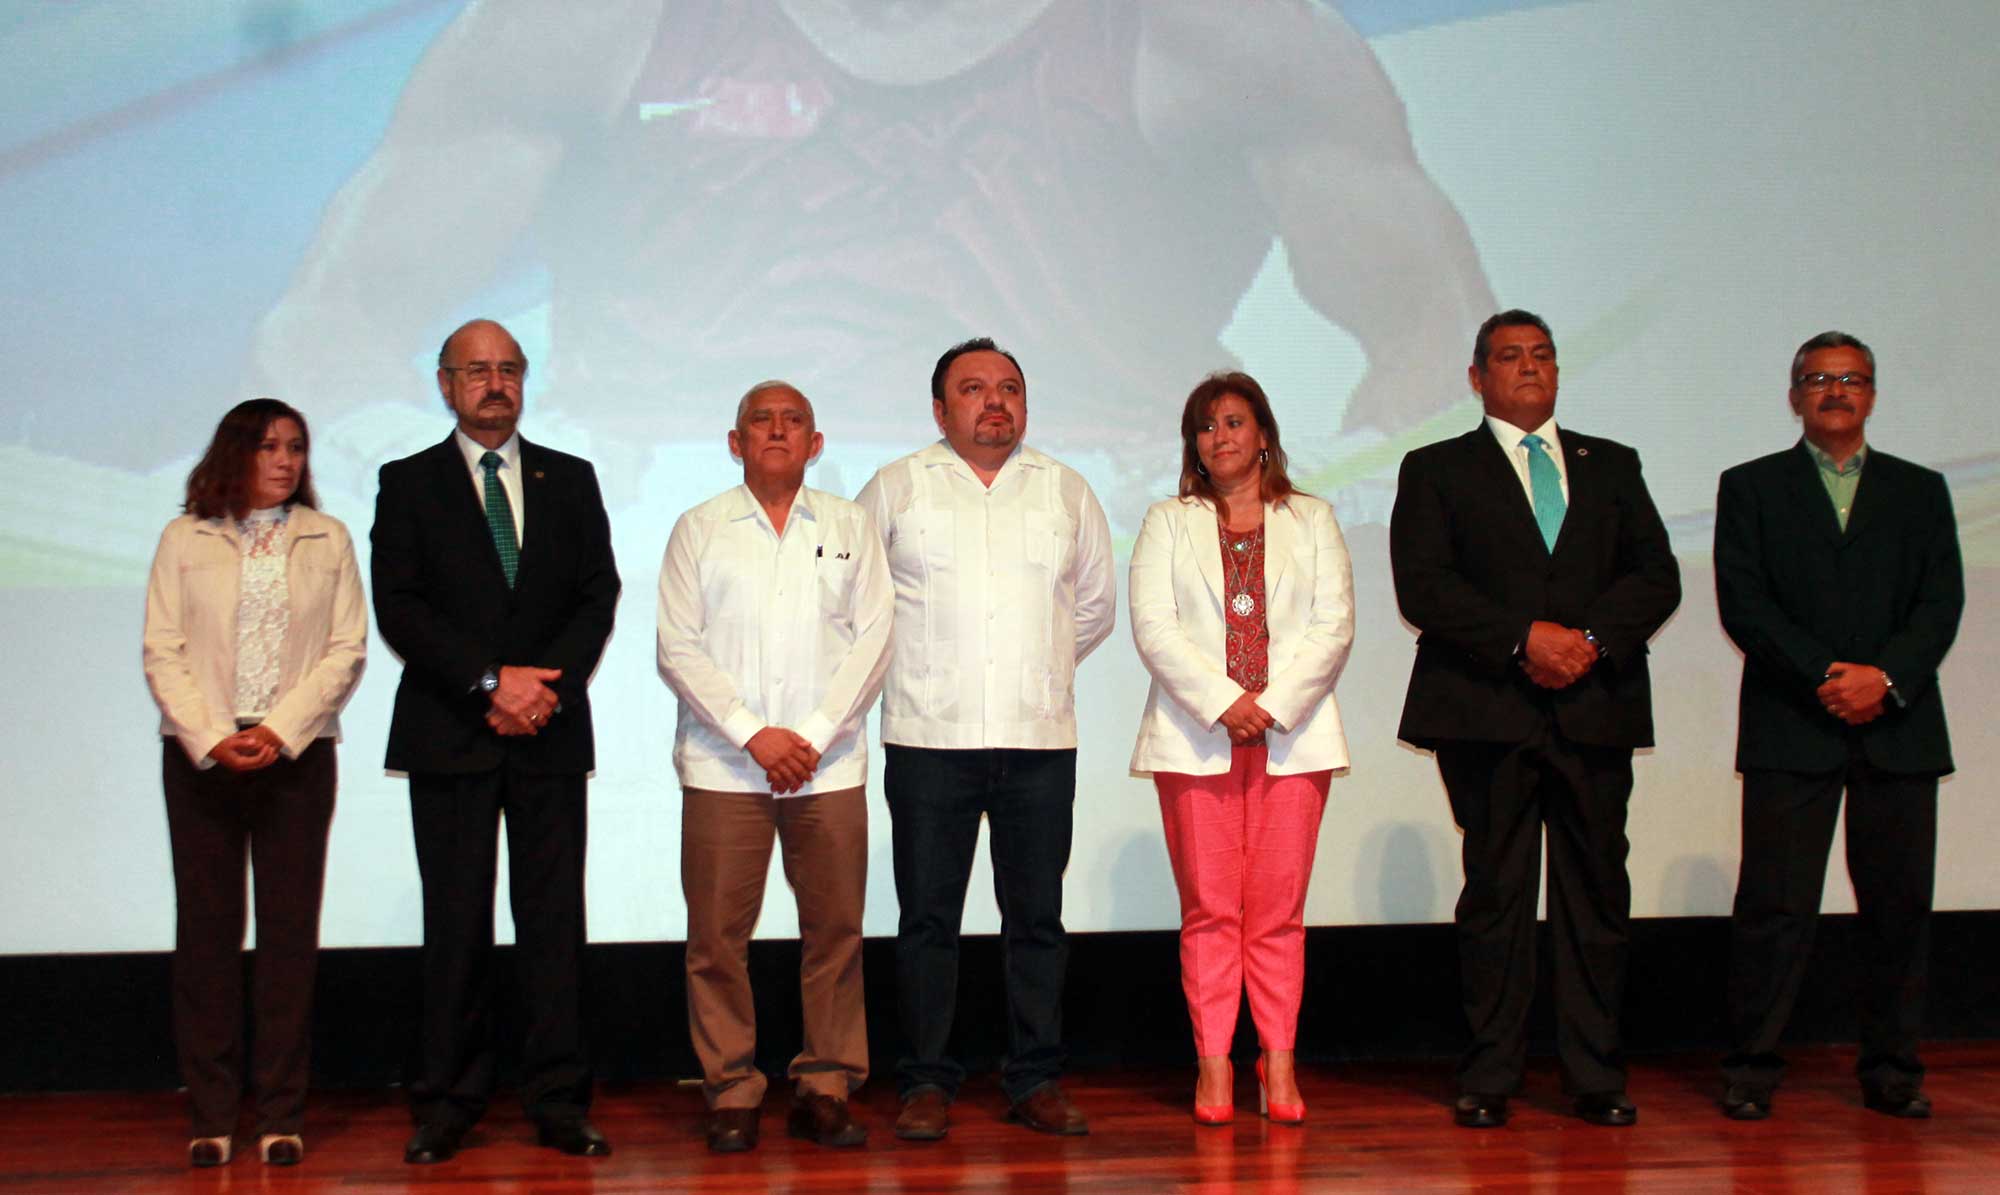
[741,726]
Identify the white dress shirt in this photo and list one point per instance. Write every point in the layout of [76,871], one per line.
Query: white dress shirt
[758,628]
[509,472]
[1000,592]
[1510,438]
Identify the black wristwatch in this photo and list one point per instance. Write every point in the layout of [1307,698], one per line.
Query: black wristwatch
[489,680]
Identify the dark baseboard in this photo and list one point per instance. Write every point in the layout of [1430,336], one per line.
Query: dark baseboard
[101,1022]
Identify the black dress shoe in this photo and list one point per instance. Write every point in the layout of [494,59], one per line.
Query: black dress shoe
[209,1151]
[432,1143]
[1900,1100]
[1475,1110]
[732,1130]
[1746,1101]
[1608,1108]
[575,1136]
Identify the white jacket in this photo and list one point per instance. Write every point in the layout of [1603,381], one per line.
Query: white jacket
[190,640]
[1176,594]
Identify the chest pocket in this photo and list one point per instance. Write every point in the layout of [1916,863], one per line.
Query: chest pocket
[1048,544]
[834,581]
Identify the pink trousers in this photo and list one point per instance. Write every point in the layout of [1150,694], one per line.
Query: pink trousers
[1242,850]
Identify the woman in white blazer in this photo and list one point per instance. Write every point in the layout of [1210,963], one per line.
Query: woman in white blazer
[1243,609]
[256,629]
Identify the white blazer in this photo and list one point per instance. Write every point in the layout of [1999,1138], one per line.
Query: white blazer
[190,640]
[1176,593]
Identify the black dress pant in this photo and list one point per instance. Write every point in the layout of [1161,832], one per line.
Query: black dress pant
[456,822]
[275,820]
[936,798]
[1503,796]
[1788,820]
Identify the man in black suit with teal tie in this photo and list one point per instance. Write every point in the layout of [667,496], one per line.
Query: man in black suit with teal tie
[494,581]
[1837,573]
[1534,567]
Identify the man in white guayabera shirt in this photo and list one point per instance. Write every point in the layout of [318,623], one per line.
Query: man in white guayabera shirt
[1002,563]
[775,603]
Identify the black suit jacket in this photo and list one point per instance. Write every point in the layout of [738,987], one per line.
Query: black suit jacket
[442,602]
[1472,573]
[1796,593]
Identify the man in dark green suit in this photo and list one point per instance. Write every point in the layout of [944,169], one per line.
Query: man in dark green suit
[1837,573]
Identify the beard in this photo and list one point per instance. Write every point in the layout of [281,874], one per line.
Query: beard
[990,434]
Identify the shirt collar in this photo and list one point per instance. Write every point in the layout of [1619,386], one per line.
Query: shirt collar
[942,453]
[472,450]
[1826,464]
[1510,437]
[746,506]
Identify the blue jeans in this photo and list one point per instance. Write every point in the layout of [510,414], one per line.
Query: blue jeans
[936,798]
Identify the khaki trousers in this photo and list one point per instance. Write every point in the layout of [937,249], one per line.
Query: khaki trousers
[725,857]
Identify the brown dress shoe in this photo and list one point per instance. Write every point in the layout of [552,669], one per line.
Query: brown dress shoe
[1047,1110]
[925,1116]
[732,1130]
[824,1120]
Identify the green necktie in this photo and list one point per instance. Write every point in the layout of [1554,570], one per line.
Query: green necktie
[1548,489]
[500,518]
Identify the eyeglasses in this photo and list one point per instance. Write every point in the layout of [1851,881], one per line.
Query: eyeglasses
[481,372]
[1813,383]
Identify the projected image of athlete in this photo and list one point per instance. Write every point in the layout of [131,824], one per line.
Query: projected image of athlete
[820,188]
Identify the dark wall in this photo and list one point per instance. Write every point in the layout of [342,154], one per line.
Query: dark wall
[96,1022]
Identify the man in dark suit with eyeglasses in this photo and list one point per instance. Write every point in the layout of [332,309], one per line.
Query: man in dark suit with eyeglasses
[494,581]
[1837,573]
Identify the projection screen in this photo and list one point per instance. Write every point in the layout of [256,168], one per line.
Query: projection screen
[670,201]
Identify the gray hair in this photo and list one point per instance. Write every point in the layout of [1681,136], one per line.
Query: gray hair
[743,404]
[1830,340]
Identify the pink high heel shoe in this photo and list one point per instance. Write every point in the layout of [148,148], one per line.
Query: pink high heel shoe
[1218,1113]
[1277,1113]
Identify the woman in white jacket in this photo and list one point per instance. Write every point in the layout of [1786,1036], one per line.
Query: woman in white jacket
[256,629]
[1243,609]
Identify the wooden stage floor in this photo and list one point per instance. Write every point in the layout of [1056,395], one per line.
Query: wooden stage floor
[1376,1126]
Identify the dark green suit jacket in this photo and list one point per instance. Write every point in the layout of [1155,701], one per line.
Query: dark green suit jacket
[1796,593]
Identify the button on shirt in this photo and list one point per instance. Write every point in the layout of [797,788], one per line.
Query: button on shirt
[758,628]
[1000,592]
[1510,438]
[509,472]
[1841,481]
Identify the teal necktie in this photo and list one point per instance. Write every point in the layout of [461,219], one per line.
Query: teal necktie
[1548,489]
[500,518]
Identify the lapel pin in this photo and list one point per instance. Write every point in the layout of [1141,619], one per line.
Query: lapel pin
[538,475]
[1579,452]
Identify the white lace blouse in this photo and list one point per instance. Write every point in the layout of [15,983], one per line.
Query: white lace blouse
[263,610]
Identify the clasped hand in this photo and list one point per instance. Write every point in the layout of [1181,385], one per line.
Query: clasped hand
[248,749]
[1245,720]
[1853,692]
[1555,656]
[524,701]
[788,759]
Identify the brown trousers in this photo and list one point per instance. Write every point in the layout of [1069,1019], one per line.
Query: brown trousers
[725,857]
[275,820]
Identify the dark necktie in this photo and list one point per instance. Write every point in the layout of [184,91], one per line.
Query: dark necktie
[500,518]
